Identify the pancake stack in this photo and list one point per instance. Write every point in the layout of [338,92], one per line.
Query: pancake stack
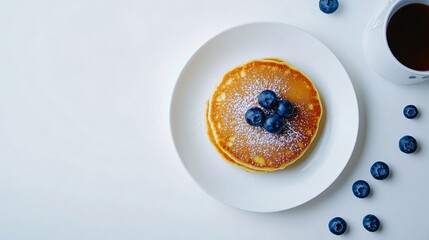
[253,148]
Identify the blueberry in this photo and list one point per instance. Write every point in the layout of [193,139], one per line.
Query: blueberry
[328,6]
[410,111]
[273,124]
[379,170]
[255,116]
[285,108]
[337,225]
[371,223]
[407,144]
[361,189]
[267,99]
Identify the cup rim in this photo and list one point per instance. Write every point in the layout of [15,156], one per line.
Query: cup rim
[393,9]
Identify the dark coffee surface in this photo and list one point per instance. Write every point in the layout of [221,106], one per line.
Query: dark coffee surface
[408,36]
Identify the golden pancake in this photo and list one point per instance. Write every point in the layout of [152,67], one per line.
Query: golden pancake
[252,148]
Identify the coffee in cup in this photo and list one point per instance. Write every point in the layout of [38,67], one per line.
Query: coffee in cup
[408,36]
[396,41]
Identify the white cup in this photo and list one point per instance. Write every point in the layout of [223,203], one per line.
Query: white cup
[378,53]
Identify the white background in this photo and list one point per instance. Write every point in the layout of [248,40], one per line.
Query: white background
[85,145]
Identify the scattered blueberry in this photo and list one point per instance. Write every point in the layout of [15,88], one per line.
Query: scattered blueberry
[328,6]
[267,99]
[361,189]
[285,108]
[407,144]
[255,116]
[379,170]
[410,111]
[371,223]
[337,225]
[273,124]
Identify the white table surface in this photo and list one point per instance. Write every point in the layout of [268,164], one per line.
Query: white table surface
[85,145]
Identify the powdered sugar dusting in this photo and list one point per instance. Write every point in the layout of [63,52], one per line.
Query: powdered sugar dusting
[269,145]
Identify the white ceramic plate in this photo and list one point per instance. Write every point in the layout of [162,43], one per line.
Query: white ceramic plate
[304,180]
